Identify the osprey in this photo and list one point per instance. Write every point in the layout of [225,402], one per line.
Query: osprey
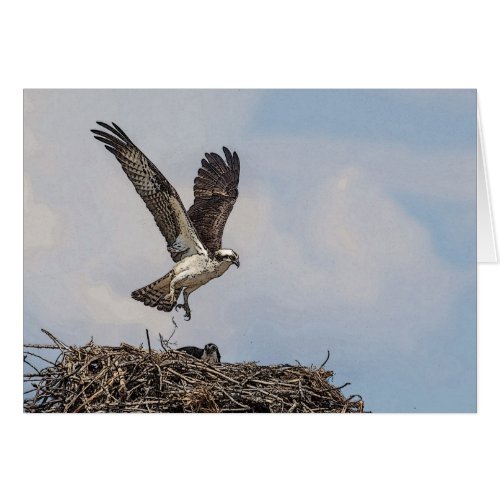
[210,353]
[194,238]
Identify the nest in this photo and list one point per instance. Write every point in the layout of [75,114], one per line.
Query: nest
[124,379]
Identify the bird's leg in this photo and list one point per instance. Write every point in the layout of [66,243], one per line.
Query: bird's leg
[185,306]
[174,289]
[187,292]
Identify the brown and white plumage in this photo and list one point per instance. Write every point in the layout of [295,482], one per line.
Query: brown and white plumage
[215,193]
[194,238]
[158,194]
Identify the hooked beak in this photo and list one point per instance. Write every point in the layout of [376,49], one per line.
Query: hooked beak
[237,263]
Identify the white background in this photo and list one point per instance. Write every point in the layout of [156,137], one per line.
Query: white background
[437,44]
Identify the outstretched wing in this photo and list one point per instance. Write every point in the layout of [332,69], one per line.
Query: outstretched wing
[159,195]
[215,193]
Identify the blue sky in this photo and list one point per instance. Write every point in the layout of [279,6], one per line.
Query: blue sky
[419,119]
[356,229]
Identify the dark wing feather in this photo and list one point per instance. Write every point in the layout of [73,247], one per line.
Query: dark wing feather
[215,193]
[192,351]
[159,195]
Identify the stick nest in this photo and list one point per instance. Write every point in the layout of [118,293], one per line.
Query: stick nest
[124,379]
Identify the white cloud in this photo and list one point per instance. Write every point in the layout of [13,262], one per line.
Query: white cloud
[384,266]
[104,304]
[444,174]
[42,226]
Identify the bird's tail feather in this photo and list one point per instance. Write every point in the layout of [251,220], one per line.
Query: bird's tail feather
[154,294]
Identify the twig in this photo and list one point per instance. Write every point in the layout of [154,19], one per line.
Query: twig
[342,386]
[165,344]
[34,368]
[54,339]
[324,362]
[149,342]
[162,342]
[39,357]
[40,346]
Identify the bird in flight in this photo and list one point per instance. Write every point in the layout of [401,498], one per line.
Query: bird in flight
[194,237]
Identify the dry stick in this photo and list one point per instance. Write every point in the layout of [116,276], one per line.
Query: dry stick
[165,344]
[221,375]
[162,342]
[342,386]
[173,331]
[274,383]
[149,343]
[54,339]
[39,357]
[40,346]
[95,395]
[301,392]
[161,378]
[324,362]
[182,377]
[82,391]
[232,399]
[38,374]
[349,399]
[192,384]
[268,394]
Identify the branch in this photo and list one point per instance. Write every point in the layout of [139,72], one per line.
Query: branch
[149,342]
[324,362]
